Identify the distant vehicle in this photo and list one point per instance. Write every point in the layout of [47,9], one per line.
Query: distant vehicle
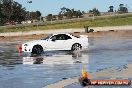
[58,41]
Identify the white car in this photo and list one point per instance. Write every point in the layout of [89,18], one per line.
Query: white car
[58,41]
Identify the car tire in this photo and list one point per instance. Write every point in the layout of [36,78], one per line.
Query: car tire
[37,49]
[76,47]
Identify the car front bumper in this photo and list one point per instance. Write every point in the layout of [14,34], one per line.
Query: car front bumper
[26,49]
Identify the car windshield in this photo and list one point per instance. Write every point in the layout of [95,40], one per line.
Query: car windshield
[47,37]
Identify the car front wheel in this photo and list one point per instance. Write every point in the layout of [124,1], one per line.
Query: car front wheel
[37,49]
[76,47]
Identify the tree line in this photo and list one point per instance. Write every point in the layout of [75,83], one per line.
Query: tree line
[122,9]
[67,13]
[11,11]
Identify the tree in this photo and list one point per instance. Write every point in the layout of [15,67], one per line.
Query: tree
[6,8]
[38,14]
[2,16]
[63,10]
[18,12]
[122,9]
[60,16]
[83,12]
[49,17]
[34,15]
[11,11]
[79,13]
[111,9]
[69,13]
[95,12]
[121,5]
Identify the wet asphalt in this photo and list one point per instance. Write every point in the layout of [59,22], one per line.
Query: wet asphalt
[27,71]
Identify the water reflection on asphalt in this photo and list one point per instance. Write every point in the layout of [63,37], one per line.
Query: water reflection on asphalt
[28,71]
[66,57]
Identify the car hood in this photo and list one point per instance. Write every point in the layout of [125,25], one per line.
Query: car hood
[34,42]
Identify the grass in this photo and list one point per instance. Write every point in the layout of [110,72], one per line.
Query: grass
[97,22]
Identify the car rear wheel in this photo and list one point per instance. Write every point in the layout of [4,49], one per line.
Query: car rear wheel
[76,47]
[37,49]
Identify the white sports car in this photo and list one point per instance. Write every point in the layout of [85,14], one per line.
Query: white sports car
[58,41]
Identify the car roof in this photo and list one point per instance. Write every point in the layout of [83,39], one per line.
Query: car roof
[64,33]
[61,33]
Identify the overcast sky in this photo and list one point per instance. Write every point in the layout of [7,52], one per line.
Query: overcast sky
[53,6]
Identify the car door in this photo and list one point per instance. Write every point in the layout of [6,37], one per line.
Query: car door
[54,43]
[59,42]
[67,41]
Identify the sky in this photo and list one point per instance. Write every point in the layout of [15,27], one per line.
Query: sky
[53,6]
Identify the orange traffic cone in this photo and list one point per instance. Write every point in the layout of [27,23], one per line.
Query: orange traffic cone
[19,49]
[84,74]
[84,80]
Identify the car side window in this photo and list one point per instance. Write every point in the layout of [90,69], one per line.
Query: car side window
[65,37]
[60,37]
[54,37]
